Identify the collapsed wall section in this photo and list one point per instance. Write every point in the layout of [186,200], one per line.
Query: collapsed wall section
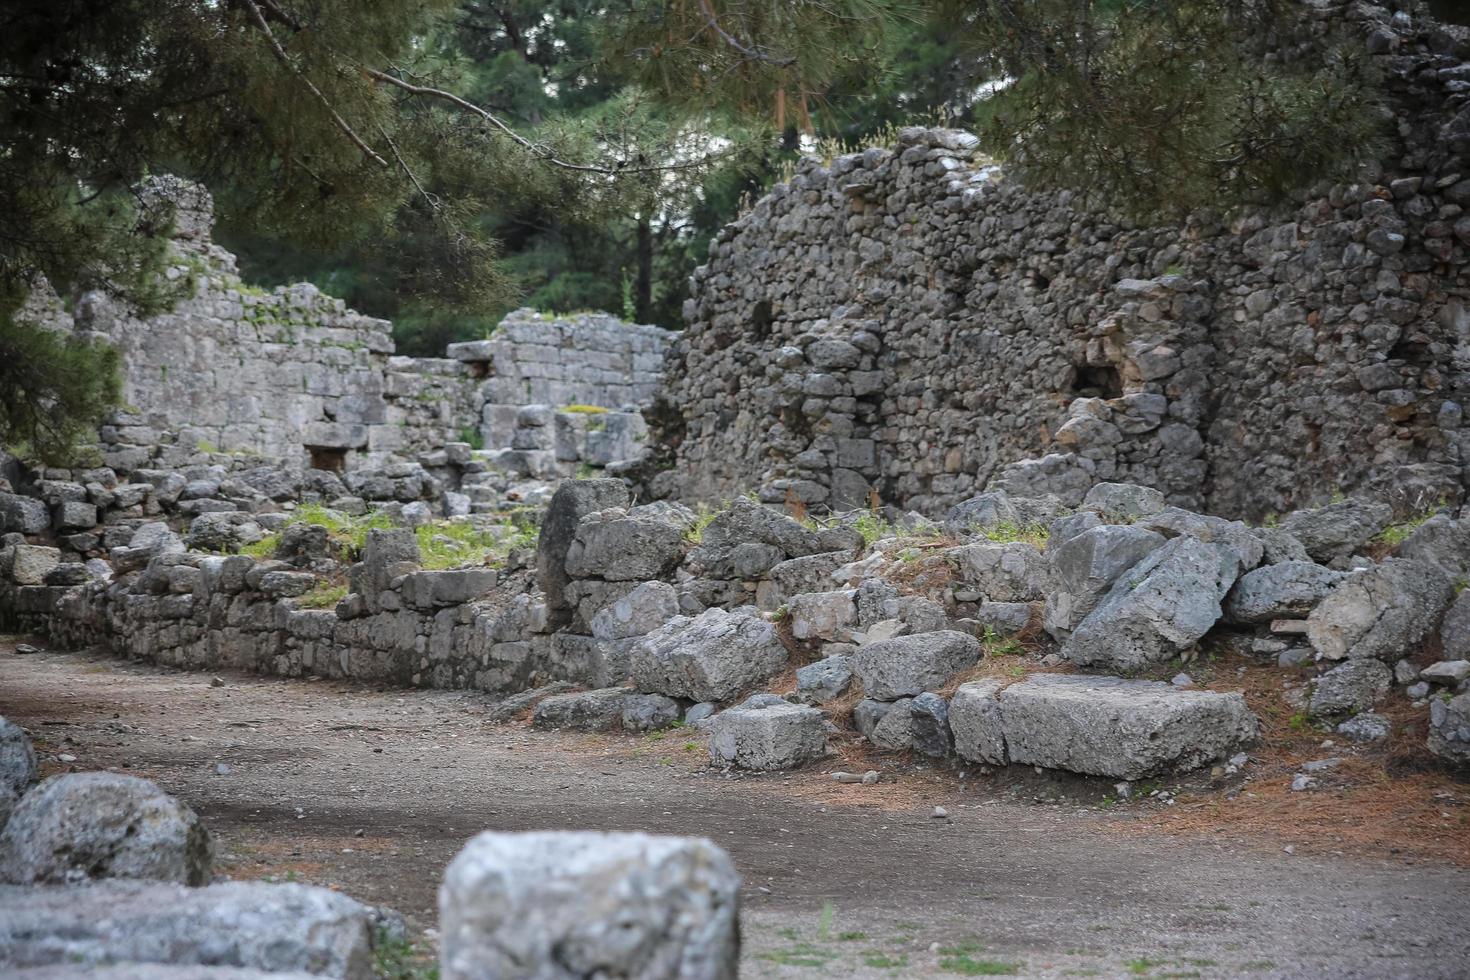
[910,326]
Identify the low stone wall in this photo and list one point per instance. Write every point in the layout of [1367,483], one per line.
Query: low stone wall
[908,323]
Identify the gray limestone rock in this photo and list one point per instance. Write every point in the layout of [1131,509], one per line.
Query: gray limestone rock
[103,825]
[1011,572]
[1107,726]
[1383,611]
[1454,629]
[17,767]
[1123,500]
[570,905]
[1442,542]
[1085,565]
[1351,686]
[712,657]
[1233,535]
[607,709]
[619,547]
[929,725]
[1365,727]
[824,680]
[1449,728]
[826,616]
[1337,530]
[573,500]
[975,720]
[638,613]
[909,665]
[1158,608]
[244,924]
[1286,590]
[774,736]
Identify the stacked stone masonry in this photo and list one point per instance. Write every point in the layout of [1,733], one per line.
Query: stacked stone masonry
[910,323]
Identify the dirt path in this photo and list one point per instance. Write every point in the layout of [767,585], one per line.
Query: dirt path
[373,792]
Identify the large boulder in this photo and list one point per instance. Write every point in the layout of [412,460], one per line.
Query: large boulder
[1385,611]
[1337,530]
[1233,536]
[619,547]
[746,540]
[246,924]
[638,613]
[826,616]
[1124,729]
[1010,572]
[608,709]
[573,500]
[1126,501]
[17,767]
[905,666]
[768,736]
[712,657]
[1085,565]
[1442,542]
[1158,608]
[29,564]
[103,825]
[565,905]
[1286,590]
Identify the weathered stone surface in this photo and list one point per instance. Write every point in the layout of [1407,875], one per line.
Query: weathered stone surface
[1012,572]
[251,925]
[1161,606]
[975,719]
[618,547]
[909,665]
[1085,565]
[1442,542]
[1123,500]
[1231,535]
[103,825]
[607,709]
[560,906]
[929,727]
[31,563]
[386,554]
[638,613]
[1454,629]
[809,573]
[746,522]
[1107,726]
[1337,530]
[1449,728]
[574,500]
[779,735]
[712,657]
[1384,611]
[1350,687]
[1447,672]
[824,680]
[17,767]
[154,971]
[823,615]
[433,589]
[1366,727]
[23,515]
[892,727]
[1286,590]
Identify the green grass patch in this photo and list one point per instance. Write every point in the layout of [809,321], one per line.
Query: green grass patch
[400,959]
[968,966]
[873,529]
[883,961]
[799,954]
[324,596]
[1142,966]
[1007,532]
[704,516]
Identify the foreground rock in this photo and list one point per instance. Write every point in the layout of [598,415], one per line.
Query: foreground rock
[767,736]
[103,825]
[17,767]
[241,924]
[1158,608]
[713,657]
[1101,726]
[909,665]
[554,906]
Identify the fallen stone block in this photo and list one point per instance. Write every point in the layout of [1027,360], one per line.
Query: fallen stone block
[1123,500]
[31,563]
[608,709]
[1454,629]
[638,613]
[1448,672]
[929,728]
[906,666]
[712,657]
[23,515]
[975,720]
[436,589]
[17,767]
[823,615]
[103,825]
[563,905]
[1352,686]
[1010,572]
[1337,530]
[1123,729]
[1158,608]
[824,680]
[1286,590]
[573,500]
[1382,612]
[773,736]
[249,925]
[620,547]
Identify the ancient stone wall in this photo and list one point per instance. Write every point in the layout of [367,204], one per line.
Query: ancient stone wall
[909,323]
[294,375]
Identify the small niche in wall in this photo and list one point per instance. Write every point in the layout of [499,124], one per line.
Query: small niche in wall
[333,459]
[760,320]
[1092,381]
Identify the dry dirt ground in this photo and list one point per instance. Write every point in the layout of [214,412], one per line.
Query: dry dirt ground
[373,792]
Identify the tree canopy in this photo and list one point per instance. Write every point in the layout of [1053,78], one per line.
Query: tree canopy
[437,160]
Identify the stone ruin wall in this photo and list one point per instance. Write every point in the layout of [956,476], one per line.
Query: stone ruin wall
[295,376]
[910,323]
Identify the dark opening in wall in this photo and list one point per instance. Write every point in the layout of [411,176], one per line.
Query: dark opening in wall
[330,458]
[1090,381]
[760,320]
[478,369]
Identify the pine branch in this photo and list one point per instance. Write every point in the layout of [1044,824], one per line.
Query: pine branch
[755,54]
